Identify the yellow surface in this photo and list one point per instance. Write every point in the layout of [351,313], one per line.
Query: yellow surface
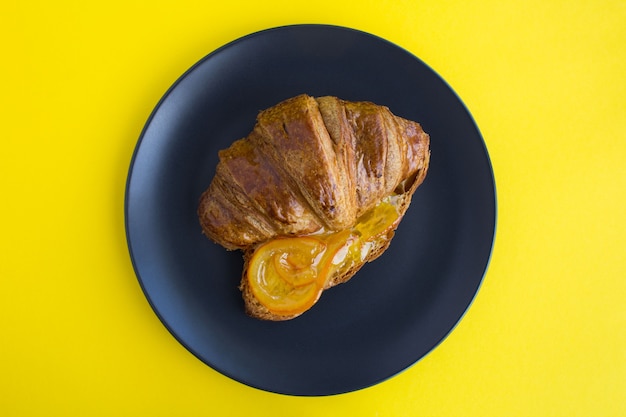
[546,83]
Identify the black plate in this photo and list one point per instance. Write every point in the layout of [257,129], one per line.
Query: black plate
[397,308]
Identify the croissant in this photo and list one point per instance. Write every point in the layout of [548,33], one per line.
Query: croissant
[314,192]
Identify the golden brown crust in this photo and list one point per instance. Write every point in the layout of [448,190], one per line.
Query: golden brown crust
[311,164]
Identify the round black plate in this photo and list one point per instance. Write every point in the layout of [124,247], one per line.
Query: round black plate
[396,309]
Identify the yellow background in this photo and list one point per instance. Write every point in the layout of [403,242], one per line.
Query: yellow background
[546,83]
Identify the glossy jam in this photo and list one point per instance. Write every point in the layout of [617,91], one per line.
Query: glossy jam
[287,275]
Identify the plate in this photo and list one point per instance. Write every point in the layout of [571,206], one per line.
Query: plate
[396,309]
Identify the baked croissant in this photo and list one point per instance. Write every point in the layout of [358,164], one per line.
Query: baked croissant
[314,192]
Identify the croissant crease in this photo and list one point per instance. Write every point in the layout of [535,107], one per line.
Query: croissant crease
[311,165]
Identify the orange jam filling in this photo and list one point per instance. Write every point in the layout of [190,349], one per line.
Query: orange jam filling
[287,275]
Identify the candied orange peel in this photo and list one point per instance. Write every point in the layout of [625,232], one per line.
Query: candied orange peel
[287,275]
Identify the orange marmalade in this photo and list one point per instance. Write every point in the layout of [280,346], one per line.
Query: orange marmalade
[287,275]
